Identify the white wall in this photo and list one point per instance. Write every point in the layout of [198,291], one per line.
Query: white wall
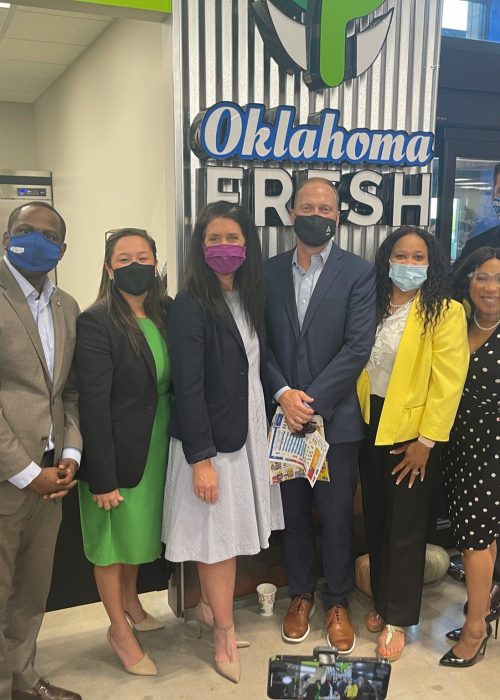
[105,130]
[17,137]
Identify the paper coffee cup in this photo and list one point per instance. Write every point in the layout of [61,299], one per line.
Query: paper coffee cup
[266,593]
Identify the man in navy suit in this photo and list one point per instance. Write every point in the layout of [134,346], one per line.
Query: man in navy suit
[321,324]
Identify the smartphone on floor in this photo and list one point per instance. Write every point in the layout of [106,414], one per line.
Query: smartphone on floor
[325,676]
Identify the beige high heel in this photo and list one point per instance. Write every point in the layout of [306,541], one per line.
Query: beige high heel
[230,669]
[145,667]
[149,624]
[202,623]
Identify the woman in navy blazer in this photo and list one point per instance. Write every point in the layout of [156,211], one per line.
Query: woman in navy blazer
[218,500]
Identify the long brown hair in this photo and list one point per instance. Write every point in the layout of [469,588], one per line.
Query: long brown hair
[203,284]
[116,305]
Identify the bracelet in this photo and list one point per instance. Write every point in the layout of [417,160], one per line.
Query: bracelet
[425,441]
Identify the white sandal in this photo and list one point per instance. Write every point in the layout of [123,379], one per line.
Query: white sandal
[391,629]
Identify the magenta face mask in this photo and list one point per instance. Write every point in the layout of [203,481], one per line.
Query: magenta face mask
[225,258]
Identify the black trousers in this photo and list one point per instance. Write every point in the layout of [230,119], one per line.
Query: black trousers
[397,523]
[334,503]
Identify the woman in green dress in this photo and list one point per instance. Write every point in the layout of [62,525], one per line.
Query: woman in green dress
[123,373]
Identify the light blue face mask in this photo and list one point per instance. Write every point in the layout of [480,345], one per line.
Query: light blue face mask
[496,206]
[407,278]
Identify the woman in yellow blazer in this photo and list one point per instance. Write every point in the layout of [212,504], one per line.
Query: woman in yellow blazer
[409,393]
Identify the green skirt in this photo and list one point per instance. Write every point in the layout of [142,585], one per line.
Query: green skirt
[130,533]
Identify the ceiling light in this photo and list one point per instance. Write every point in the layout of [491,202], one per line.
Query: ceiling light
[5,5]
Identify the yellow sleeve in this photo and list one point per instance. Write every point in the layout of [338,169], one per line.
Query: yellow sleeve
[363,390]
[450,361]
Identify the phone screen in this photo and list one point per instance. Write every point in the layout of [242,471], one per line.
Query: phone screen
[295,677]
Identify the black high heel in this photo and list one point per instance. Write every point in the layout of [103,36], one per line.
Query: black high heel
[496,619]
[454,635]
[451,660]
[494,607]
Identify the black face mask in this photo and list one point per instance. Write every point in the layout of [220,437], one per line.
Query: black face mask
[134,278]
[314,230]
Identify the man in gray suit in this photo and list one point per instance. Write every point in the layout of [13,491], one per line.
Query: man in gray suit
[40,443]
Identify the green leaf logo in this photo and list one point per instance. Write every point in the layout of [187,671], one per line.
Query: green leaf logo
[311,35]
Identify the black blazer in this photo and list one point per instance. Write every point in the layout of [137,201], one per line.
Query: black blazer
[325,357]
[117,403]
[210,379]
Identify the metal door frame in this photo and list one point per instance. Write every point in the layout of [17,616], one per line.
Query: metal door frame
[453,143]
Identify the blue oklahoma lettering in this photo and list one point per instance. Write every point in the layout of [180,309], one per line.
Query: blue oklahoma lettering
[228,130]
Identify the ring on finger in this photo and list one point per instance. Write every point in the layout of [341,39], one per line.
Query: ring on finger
[414,471]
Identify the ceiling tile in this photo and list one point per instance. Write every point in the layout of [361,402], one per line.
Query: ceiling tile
[29,69]
[15,96]
[62,13]
[61,54]
[3,16]
[37,45]
[37,26]
[25,84]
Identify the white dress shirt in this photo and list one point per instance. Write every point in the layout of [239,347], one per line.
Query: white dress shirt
[40,308]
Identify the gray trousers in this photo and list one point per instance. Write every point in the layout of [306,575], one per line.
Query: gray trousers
[27,543]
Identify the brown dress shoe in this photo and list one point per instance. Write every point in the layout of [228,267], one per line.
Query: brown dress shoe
[295,626]
[339,630]
[43,689]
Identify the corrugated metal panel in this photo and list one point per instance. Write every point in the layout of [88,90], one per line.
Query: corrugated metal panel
[220,55]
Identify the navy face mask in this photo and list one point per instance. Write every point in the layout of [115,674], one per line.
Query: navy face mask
[33,252]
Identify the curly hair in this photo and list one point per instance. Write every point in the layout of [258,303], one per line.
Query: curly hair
[203,284]
[461,281]
[434,296]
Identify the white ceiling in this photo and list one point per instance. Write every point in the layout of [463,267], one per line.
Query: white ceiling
[37,46]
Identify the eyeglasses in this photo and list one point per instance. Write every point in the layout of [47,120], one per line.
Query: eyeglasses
[115,232]
[484,277]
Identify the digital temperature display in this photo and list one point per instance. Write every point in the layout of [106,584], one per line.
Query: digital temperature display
[31,192]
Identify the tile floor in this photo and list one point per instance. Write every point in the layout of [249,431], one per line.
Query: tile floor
[73,652]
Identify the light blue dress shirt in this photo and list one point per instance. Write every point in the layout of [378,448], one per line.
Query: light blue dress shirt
[304,283]
[42,314]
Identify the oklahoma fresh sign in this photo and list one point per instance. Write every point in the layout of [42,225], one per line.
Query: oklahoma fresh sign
[229,130]
[311,36]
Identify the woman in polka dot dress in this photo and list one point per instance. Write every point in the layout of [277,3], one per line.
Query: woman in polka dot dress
[471,458]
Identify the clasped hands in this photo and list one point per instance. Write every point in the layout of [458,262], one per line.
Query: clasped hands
[294,404]
[413,463]
[55,482]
